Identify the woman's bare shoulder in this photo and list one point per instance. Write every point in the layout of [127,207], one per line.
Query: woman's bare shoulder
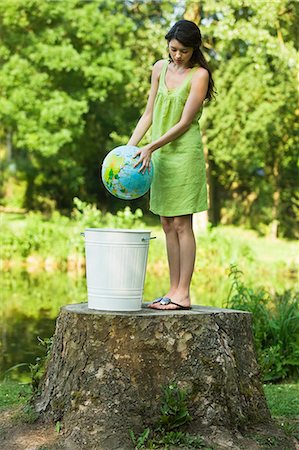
[159,64]
[201,73]
[157,67]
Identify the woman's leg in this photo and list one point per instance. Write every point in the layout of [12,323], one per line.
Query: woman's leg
[173,255]
[183,226]
[187,249]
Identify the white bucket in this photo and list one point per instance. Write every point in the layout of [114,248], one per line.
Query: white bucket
[115,268]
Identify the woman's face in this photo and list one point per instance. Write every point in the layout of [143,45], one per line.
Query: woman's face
[180,54]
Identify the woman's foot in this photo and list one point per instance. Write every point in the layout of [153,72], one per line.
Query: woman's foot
[174,306]
[177,298]
[176,303]
[156,303]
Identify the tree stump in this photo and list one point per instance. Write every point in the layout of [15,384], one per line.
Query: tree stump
[106,370]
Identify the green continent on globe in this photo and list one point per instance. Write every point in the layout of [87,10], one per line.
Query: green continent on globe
[120,176]
[114,165]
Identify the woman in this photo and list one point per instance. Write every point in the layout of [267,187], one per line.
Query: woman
[178,89]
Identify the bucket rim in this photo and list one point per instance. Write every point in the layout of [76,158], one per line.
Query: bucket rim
[116,230]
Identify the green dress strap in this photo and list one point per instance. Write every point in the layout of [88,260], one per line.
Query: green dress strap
[163,73]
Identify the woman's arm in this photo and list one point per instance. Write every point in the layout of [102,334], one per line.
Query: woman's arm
[146,119]
[197,95]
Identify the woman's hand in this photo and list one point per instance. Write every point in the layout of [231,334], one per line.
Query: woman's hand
[144,154]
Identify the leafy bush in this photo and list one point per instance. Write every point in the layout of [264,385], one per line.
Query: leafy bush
[86,215]
[37,369]
[174,410]
[58,235]
[275,326]
[89,215]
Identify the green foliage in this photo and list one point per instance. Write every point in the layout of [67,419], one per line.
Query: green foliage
[275,326]
[174,409]
[36,237]
[140,441]
[251,129]
[26,414]
[174,415]
[13,393]
[87,215]
[283,399]
[290,429]
[58,427]
[60,236]
[182,440]
[43,112]
[75,80]
[37,369]
[70,78]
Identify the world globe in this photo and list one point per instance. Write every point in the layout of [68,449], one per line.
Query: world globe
[120,177]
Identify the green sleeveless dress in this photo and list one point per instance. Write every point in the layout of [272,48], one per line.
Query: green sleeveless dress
[179,182]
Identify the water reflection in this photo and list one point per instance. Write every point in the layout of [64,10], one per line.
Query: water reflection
[30,304]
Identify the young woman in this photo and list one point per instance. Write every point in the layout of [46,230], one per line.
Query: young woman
[179,86]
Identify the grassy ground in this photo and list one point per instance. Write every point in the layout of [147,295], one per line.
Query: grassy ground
[20,422]
[283,399]
[13,394]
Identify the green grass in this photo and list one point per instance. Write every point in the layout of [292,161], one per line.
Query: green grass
[13,394]
[283,399]
[264,248]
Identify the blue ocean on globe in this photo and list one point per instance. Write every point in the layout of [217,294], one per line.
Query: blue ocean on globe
[120,177]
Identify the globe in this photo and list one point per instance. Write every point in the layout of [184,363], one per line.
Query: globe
[120,177]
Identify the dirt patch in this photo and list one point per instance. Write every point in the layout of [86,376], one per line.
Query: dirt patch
[15,435]
[270,436]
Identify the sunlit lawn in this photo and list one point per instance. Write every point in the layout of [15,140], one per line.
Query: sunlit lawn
[283,399]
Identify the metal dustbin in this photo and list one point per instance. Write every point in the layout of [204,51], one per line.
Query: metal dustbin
[116,262]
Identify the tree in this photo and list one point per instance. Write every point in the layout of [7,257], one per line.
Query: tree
[71,80]
[251,128]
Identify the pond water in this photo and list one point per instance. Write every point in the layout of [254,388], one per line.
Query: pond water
[29,307]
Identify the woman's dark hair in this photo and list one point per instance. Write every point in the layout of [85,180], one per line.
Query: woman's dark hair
[188,34]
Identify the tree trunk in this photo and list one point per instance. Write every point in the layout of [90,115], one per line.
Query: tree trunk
[213,190]
[8,145]
[276,199]
[106,370]
[200,222]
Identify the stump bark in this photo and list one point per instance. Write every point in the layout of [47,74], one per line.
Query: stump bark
[106,370]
